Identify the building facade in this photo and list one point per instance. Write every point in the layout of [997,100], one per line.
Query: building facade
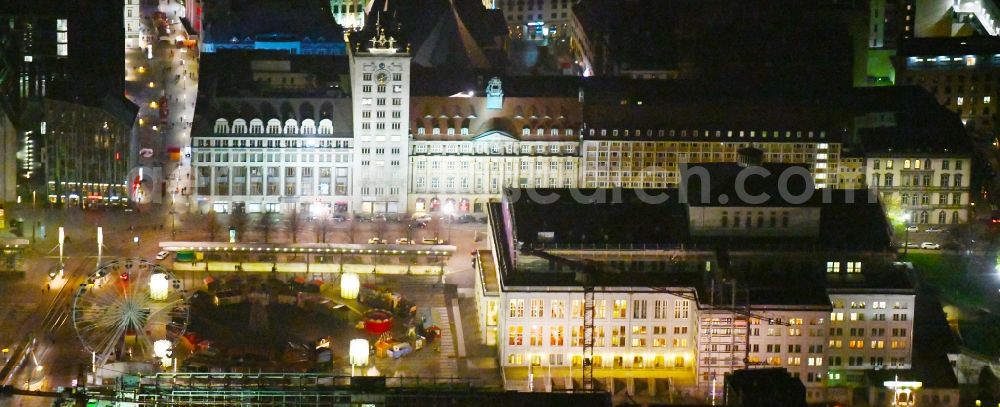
[539,20]
[465,150]
[963,73]
[284,145]
[648,158]
[659,338]
[922,190]
[133,24]
[380,84]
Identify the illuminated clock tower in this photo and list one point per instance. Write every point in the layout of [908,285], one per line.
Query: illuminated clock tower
[380,88]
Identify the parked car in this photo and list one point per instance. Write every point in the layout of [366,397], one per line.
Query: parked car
[431,240]
[933,230]
[423,218]
[912,228]
[466,219]
[339,218]
[929,245]
[912,245]
[403,240]
[162,255]
[376,240]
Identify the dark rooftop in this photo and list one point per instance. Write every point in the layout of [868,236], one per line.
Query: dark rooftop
[849,220]
[230,73]
[940,46]
[299,19]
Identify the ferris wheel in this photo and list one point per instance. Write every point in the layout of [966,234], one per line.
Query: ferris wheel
[126,306]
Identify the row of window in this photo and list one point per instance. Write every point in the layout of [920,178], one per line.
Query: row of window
[466,185]
[272,143]
[234,157]
[273,126]
[639,336]
[717,133]
[614,361]
[525,165]
[661,308]
[495,148]
[860,332]
[860,316]
[916,164]
[749,219]
[890,180]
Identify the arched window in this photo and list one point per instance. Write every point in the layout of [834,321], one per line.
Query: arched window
[291,126]
[256,126]
[906,164]
[221,126]
[274,126]
[308,126]
[239,126]
[954,217]
[924,217]
[525,131]
[942,217]
[326,126]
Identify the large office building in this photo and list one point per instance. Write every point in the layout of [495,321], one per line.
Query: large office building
[917,155]
[284,143]
[963,73]
[72,121]
[664,307]
[465,150]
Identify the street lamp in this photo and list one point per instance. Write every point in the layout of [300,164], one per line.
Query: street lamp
[906,233]
[449,209]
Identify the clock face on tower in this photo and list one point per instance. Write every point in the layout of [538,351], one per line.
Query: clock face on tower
[381,78]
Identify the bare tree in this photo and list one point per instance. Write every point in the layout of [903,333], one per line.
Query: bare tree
[238,220]
[380,228]
[294,224]
[266,225]
[351,230]
[212,225]
[322,229]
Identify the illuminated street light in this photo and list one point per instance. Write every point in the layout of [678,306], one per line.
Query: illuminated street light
[358,353]
[349,286]
[158,287]
[153,104]
[152,84]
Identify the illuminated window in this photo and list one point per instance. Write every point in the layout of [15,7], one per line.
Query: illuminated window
[515,335]
[681,308]
[516,308]
[537,308]
[556,336]
[621,307]
[536,335]
[618,336]
[558,309]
